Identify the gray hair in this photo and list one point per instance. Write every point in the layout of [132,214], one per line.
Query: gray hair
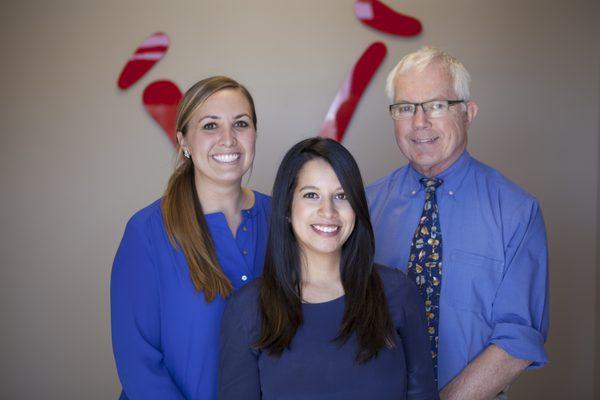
[424,57]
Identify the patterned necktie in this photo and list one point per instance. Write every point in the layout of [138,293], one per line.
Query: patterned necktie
[425,263]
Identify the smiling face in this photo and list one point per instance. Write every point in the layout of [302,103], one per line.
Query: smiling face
[431,144]
[321,216]
[221,137]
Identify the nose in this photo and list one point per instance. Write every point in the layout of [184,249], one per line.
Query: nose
[420,120]
[228,136]
[327,208]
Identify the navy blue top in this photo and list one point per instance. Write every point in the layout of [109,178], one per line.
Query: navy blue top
[495,272]
[316,367]
[165,336]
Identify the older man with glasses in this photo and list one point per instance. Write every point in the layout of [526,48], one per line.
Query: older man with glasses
[473,242]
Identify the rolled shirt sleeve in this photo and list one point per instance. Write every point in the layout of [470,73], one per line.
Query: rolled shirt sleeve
[520,309]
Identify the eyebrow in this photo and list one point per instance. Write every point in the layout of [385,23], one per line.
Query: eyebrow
[217,117]
[316,188]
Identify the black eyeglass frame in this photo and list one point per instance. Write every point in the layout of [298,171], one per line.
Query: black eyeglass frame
[450,104]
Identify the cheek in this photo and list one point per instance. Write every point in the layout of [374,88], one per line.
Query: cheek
[249,139]
[298,216]
[202,144]
[349,217]
[401,130]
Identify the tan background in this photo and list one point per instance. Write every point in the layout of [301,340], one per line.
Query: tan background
[78,156]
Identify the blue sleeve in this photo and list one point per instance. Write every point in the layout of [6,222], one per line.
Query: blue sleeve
[420,379]
[238,361]
[520,311]
[135,320]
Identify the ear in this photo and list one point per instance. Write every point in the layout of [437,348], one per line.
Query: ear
[181,140]
[472,110]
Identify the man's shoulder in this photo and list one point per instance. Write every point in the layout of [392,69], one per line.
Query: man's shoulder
[495,182]
[383,184]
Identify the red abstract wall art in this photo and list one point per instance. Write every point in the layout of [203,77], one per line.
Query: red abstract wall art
[151,51]
[161,99]
[382,18]
[345,102]
[379,16]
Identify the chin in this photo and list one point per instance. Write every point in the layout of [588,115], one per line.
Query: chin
[228,178]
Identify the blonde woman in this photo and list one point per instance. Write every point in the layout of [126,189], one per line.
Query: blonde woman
[181,256]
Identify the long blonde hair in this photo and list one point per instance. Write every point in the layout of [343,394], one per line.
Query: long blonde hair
[181,209]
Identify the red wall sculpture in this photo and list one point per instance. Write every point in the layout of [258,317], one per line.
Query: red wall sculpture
[161,98]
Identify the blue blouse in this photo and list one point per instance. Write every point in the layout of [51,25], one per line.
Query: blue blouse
[317,367]
[165,335]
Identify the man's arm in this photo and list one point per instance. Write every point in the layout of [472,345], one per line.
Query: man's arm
[520,315]
[485,376]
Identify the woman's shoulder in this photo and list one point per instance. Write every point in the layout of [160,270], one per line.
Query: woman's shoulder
[146,224]
[392,278]
[248,293]
[148,214]
[245,299]
[261,201]
[399,290]
[261,209]
[243,305]
[261,198]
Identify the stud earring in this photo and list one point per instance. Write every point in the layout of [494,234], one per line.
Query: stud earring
[186,153]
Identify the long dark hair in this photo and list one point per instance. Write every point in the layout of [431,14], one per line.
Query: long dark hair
[366,312]
[182,212]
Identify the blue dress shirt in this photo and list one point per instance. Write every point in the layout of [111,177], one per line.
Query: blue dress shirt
[495,263]
[165,335]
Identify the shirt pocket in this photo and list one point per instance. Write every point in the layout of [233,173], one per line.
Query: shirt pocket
[470,281]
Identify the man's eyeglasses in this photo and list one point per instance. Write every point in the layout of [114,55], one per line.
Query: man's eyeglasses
[432,109]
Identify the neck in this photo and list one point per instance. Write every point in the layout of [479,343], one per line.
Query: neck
[229,199]
[431,171]
[321,280]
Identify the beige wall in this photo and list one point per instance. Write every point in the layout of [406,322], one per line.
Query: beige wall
[597,355]
[78,156]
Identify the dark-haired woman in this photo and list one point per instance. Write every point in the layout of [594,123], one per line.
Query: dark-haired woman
[183,255]
[324,322]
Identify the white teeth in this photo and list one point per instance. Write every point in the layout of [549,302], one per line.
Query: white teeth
[429,140]
[326,228]
[226,158]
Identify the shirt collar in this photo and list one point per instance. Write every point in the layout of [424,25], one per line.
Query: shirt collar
[246,213]
[453,177]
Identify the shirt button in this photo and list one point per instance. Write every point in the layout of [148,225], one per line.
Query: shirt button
[245,252]
[413,192]
[244,228]
[451,193]
[244,278]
